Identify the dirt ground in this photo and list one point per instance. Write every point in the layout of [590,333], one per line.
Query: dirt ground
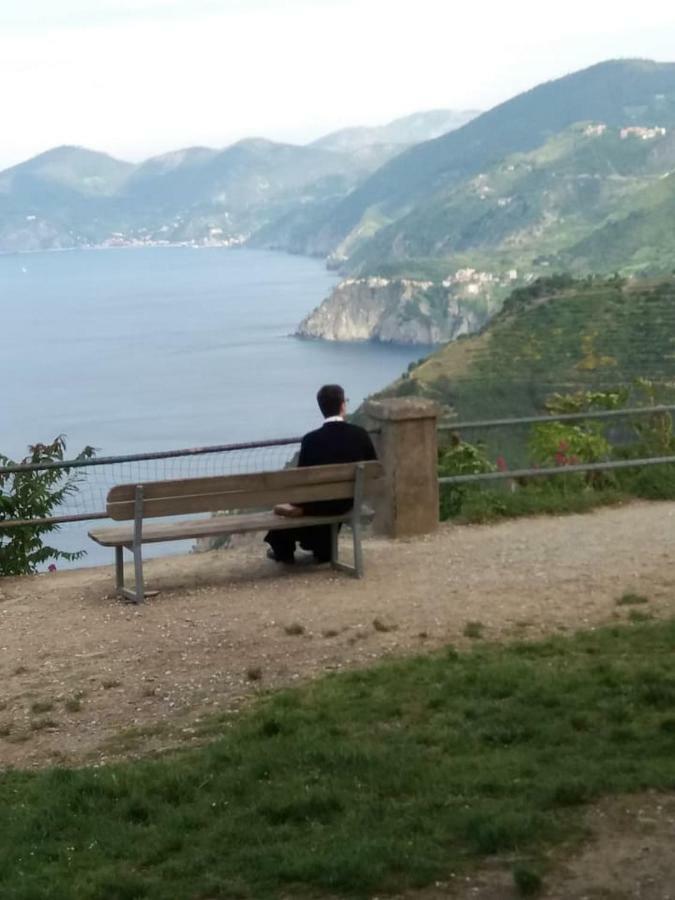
[85,678]
[78,666]
[629,855]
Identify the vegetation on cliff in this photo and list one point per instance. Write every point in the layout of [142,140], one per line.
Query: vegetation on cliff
[617,93]
[557,335]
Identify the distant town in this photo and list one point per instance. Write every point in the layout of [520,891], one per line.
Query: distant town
[143,238]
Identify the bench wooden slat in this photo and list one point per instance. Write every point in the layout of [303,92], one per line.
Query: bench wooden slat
[239,500]
[122,535]
[234,492]
[251,481]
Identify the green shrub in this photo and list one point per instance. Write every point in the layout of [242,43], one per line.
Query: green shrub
[651,482]
[460,459]
[34,494]
[560,444]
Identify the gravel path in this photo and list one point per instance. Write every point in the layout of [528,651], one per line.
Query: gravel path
[77,666]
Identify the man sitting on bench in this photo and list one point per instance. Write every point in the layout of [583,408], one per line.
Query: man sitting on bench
[336,441]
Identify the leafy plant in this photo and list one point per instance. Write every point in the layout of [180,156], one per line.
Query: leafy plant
[654,432]
[565,444]
[35,494]
[573,443]
[460,458]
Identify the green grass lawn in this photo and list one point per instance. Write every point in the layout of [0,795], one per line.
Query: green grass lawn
[363,782]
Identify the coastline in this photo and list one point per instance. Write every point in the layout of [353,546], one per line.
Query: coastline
[143,245]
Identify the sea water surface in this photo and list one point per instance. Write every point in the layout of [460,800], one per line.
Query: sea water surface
[135,350]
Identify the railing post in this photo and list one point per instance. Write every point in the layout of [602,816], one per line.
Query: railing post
[407,504]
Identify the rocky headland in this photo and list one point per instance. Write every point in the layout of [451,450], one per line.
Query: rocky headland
[398,310]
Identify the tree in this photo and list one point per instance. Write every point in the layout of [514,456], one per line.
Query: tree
[35,494]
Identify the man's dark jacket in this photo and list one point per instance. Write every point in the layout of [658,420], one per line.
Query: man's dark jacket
[334,442]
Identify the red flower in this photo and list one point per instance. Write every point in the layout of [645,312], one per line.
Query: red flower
[502,465]
[560,459]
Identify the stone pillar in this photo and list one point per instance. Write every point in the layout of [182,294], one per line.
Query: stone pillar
[407,444]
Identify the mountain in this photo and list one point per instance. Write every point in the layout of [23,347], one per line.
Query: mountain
[573,175]
[475,217]
[385,141]
[541,209]
[55,199]
[65,169]
[72,197]
[591,199]
[618,93]
[237,189]
[557,335]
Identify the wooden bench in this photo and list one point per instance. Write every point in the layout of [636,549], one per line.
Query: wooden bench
[231,493]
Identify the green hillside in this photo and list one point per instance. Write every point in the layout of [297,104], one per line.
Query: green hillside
[59,199]
[642,238]
[558,335]
[70,196]
[65,169]
[542,209]
[238,189]
[618,93]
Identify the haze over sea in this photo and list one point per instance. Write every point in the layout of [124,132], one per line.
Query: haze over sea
[134,350]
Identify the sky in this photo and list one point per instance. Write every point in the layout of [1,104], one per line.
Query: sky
[136,78]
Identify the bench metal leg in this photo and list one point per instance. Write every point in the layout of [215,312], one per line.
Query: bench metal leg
[136,547]
[334,530]
[358,550]
[138,574]
[138,594]
[119,568]
[357,568]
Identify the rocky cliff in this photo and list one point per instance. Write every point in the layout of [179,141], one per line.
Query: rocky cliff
[396,311]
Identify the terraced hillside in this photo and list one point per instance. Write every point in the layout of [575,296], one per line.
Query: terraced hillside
[617,93]
[558,335]
[591,199]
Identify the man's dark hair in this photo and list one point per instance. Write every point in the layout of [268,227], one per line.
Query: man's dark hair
[330,399]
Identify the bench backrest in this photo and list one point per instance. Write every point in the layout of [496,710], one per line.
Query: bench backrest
[229,492]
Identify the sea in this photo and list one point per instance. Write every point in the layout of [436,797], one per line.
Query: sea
[136,350]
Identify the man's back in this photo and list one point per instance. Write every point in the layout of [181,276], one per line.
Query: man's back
[334,442]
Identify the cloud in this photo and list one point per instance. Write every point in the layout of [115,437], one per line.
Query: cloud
[160,74]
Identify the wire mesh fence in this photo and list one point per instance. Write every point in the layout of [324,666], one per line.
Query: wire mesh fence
[509,441]
[556,463]
[95,477]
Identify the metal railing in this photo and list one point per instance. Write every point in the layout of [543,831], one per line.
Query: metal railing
[557,470]
[141,457]
[113,462]
[562,417]
[534,472]
[247,456]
